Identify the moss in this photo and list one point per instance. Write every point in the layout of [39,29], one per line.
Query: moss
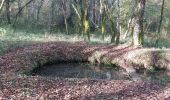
[150,69]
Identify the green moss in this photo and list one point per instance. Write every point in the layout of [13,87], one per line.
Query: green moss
[150,69]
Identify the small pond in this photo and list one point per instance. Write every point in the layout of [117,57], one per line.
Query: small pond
[88,71]
[81,70]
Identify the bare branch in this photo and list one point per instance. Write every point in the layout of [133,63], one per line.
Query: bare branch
[20,10]
[2,3]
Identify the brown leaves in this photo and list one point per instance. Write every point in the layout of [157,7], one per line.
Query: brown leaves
[29,57]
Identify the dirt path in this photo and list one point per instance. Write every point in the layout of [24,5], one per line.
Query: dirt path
[23,60]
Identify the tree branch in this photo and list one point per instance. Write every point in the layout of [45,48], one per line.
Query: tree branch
[20,10]
[2,3]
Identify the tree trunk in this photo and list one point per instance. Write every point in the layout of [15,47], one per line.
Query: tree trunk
[113,29]
[138,24]
[38,10]
[50,16]
[115,24]
[8,11]
[86,21]
[94,11]
[92,14]
[64,15]
[19,7]
[160,23]
[103,17]
[118,23]
[33,12]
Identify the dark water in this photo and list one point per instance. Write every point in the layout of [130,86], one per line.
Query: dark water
[85,70]
[81,70]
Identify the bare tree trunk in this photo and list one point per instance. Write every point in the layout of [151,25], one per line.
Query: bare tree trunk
[113,29]
[19,7]
[94,11]
[29,13]
[161,19]
[160,23]
[32,12]
[138,25]
[64,15]
[86,21]
[115,23]
[112,21]
[100,12]
[128,28]
[118,23]
[8,11]
[49,24]
[38,9]
[103,18]
[130,24]
[92,14]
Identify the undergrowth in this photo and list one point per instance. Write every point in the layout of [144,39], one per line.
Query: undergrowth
[21,36]
[24,35]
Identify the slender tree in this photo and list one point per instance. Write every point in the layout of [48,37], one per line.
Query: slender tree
[8,11]
[114,21]
[160,23]
[19,7]
[64,15]
[50,16]
[92,15]
[118,23]
[103,17]
[84,18]
[138,33]
[39,9]
[86,21]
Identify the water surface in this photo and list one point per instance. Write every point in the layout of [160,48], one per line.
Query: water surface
[81,70]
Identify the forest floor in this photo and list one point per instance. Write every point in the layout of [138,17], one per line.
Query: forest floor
[16,65]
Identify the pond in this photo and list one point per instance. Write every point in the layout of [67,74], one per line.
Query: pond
[88,71]
[81,70]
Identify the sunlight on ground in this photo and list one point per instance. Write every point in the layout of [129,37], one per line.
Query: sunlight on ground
[14,38]
[10,39]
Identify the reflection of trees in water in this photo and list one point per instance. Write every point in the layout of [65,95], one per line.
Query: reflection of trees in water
[80,71]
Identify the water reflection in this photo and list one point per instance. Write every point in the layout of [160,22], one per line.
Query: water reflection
[81,70]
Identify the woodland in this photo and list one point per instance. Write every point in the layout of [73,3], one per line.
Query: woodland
[94,49]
